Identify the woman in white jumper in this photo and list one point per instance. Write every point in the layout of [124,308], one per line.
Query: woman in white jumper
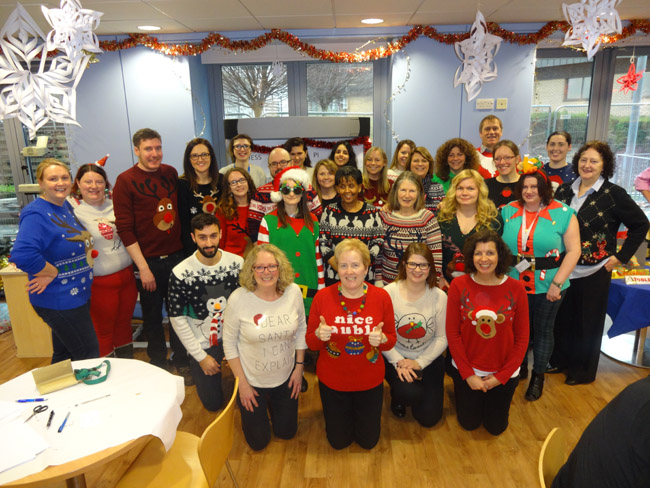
[264,343]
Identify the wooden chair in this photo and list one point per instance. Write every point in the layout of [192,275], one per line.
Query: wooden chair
[192,462]
[551,457]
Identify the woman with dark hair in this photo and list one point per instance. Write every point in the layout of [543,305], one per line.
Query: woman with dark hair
[558,170]
[294,229]
[454,156]
[297,149]
[113,293]
[421,165]
[400,159]
[239,150]
[232,211]
[487,331]
[376,184]
[415,366]
[199,187]
[343,154]
[349,218]
[407,221]
[465,210]
[57,253]
[264,343]
[351,324]
[501,187]
[323,182]
[544,235]
[601,207]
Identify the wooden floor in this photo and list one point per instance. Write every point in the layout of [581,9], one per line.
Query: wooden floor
[407,454]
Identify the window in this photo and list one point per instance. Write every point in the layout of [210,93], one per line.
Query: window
[578,88]
[255,90]
[339,90]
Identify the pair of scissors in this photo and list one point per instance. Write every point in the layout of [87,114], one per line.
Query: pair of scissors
[37,409]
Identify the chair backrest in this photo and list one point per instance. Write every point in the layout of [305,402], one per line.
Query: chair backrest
[551,457]
[217,440]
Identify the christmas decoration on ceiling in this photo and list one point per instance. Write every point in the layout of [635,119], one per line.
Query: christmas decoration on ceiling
[36,88]
[477,54]
[591,19]
[629,81]
[73,29]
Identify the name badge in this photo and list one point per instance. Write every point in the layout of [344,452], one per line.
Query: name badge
[523,265]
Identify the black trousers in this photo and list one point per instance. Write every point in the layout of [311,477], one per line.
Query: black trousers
[424,396]
[579,326]
[476,407]
[208,387]
[352,416]
[152,303]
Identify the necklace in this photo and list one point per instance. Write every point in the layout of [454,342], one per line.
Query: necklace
[363,301]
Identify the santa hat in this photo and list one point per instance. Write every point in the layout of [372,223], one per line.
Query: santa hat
[102,162]
[292,173]
[486,313]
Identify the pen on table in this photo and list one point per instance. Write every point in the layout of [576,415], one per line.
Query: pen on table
[49,420]
[92,400]
[64,421]
[27,400]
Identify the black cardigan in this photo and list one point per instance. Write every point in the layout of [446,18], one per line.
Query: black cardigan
[600,217]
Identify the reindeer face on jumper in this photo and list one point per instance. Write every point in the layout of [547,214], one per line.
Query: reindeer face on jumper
[486,322]
[165,214]
[82,236]
[164,217]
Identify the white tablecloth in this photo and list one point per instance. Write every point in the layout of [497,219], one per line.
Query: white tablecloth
[144,400]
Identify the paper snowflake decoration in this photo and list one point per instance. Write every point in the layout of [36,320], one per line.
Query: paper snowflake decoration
[33,87]
[72,29]
[477,55]
[589,20]
[629,81]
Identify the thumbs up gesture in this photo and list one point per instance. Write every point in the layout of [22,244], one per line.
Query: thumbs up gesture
[377,337]
[324,331]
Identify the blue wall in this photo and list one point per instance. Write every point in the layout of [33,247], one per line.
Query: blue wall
[430,110]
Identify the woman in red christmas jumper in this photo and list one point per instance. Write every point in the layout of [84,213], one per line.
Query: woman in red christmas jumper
[351,323]
[232,211]
[487,332]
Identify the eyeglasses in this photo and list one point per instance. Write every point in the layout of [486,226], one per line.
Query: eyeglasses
[196,157]
[237,182]
[271,268]
[275,164]
[507,159]
[413,266]
[242,146]
[297,190]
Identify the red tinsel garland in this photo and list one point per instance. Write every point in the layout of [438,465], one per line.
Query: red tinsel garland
[365,140]
[193,49]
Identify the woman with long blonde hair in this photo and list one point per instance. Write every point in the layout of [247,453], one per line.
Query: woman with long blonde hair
[465,210]
[376,184]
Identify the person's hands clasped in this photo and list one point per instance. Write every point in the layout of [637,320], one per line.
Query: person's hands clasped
[247,396]
[210,366]
[39,284]
[295,380]
[611,263]
[406,370]
[377,337]
[476,383]
[490,381]
[324,331]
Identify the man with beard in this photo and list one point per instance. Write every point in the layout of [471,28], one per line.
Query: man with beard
[199,288]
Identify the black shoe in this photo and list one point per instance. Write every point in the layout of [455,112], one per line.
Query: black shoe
[572,381]
[553,369]
[535,387]
[398,409]
[304,385]
[184,371]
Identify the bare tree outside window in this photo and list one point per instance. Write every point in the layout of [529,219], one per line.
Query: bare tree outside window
[333,89]
[253,90]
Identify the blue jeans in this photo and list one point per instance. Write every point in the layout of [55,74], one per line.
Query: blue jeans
[542,320]
[208,387]
[73,334]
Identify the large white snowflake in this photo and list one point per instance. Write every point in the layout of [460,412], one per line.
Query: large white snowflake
[72,29]
[477,54]
[33,87]
[589,20]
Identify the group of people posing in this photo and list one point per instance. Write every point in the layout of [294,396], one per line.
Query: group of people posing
[379,270]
